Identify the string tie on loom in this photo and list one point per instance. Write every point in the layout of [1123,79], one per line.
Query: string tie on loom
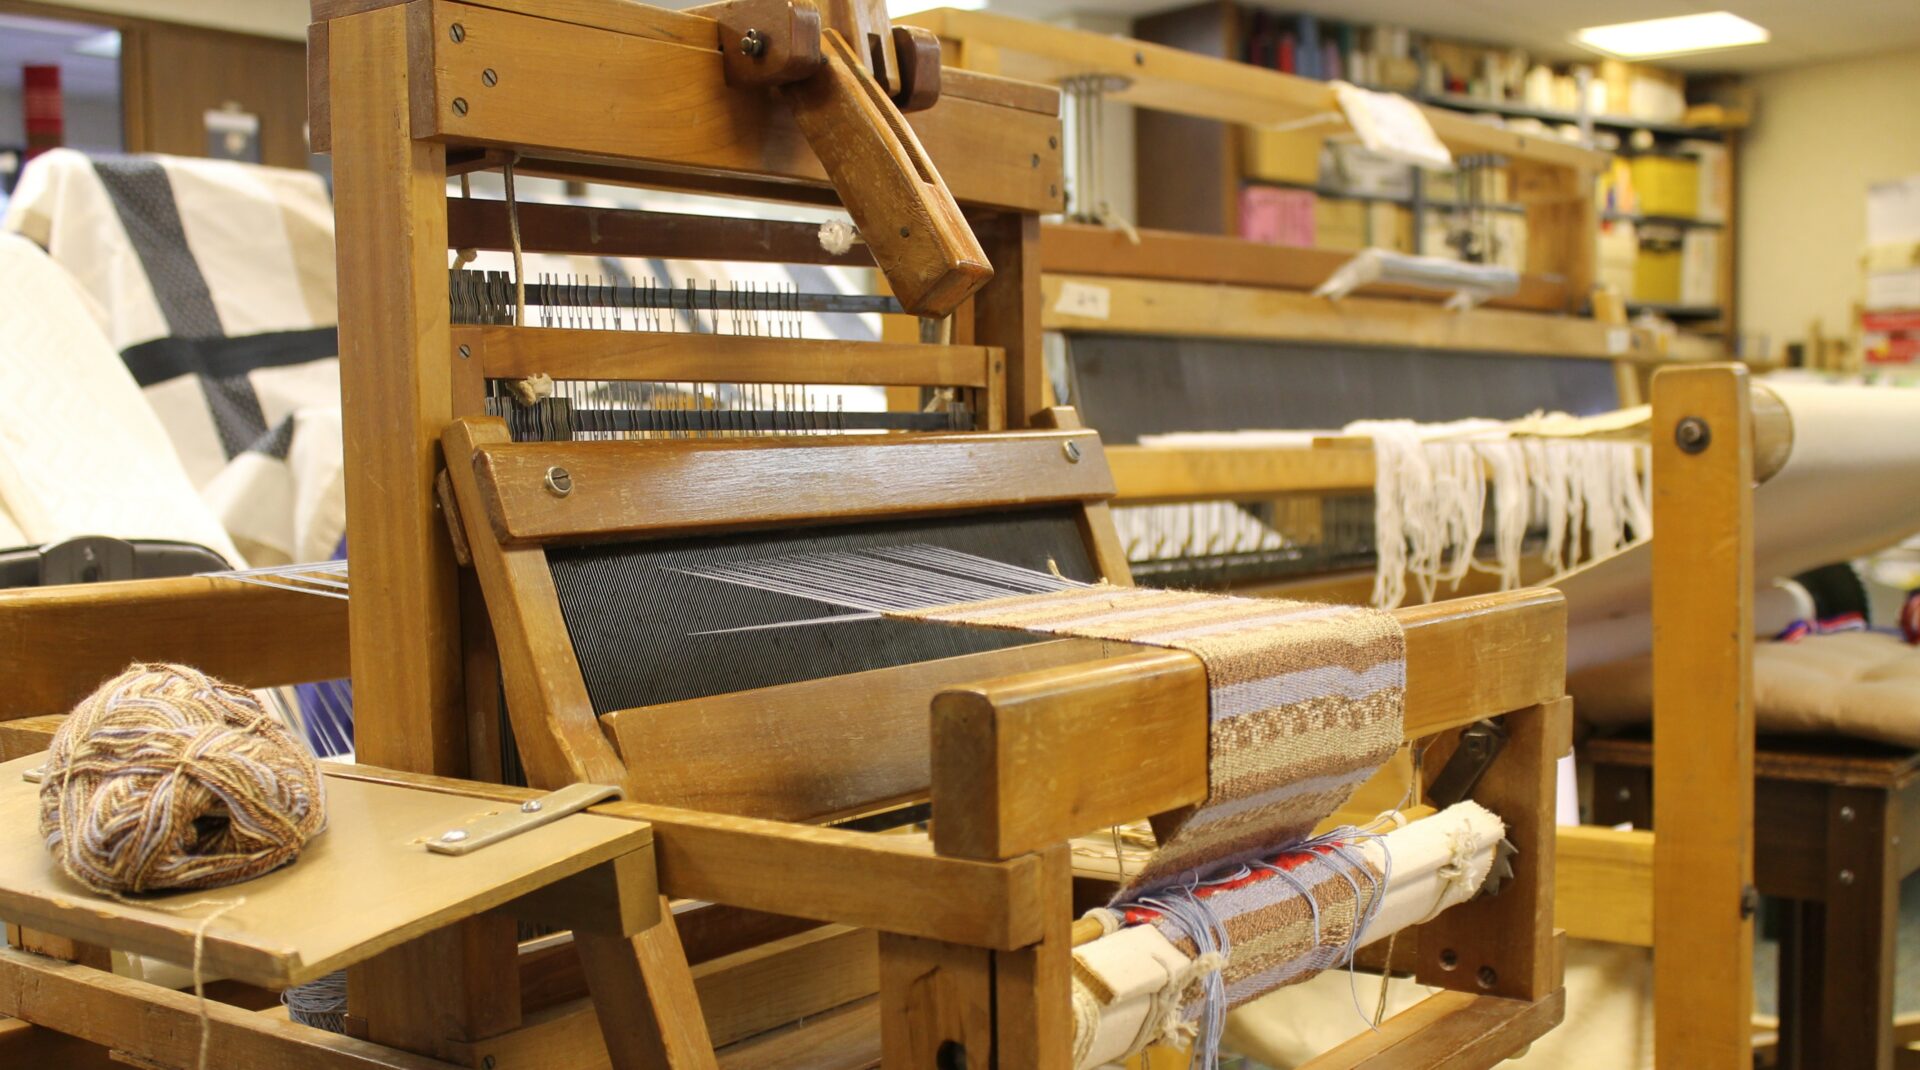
[165,778]
[838,238]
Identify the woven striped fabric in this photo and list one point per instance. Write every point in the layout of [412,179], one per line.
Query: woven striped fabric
[1291,916]
[1306,702]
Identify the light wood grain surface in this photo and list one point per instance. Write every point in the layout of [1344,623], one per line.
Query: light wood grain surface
[364,885]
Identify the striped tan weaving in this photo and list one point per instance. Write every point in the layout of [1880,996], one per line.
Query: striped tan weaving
[1306,702]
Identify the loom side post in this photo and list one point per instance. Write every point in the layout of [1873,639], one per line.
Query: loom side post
[1703,724]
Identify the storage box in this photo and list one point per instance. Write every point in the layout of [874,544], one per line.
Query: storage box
[1666,185]
[1700,268]
[1340,224]
[1277,216]
[1657,272]
[1284,156]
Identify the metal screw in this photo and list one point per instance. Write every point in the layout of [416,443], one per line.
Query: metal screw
[1449,958]
[1036,159]
[465,352]
[1693,435]
[1846,876]
[559,481]
[453,836]
[531,806]
[905,232]
[754,44]
[1749,901]
[1053,191]
[489,78]
[1140,59]
[487,1063]
[1846,813]
[1624,794]
[1487,977]
[459,105]
[1053,142]
[1072,450]
[457,32]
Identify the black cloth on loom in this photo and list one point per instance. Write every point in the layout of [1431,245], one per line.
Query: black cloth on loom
[630,616]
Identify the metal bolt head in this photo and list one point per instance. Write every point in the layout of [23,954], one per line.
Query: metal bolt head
[1846,813]
[459,105]
[457,32]
[1487,977]
[531,806]
[466,352]
[559,481]
[1449,958]
[1072,450]
[489,78]
[1624,794]
[487,1063]
[1846,876]
[453,835]
[754,44]
[1692,435]
[1053,142]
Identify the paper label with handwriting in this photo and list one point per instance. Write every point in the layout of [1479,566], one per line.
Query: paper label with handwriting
[1084,300]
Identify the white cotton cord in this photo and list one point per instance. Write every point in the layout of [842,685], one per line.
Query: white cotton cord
[1506,464]
[1547,470]
[513,230]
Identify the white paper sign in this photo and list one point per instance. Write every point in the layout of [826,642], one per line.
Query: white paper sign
[1084,300]
[1392,125]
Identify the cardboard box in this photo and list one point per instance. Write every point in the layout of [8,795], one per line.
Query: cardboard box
[1339,223]
[1284,156]
[1277,216]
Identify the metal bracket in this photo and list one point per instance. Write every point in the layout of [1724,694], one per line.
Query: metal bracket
[507,821]
[1480,744]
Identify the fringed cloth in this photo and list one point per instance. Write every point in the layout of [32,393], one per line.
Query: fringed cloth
[1306,701]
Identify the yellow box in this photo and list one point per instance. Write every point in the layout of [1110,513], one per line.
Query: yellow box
[1339,224]
[1666,185]
[1656,275]
[1290,156]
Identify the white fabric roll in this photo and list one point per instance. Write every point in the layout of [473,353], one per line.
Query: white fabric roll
[1851,486]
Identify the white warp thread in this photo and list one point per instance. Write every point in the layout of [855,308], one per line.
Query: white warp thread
[1590,496]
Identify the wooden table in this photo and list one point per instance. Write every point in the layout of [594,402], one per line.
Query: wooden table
[1829,816]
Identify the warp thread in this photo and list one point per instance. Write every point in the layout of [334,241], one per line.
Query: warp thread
[167,778]
[1430,500]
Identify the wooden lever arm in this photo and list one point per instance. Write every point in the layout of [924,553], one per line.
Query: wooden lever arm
[904,211]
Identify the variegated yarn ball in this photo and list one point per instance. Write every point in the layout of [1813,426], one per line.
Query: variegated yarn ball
[167,778]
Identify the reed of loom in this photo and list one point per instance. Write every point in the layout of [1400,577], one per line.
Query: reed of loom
[974,928]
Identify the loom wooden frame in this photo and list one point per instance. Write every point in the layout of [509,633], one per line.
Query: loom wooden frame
[417,635]
[1632,886]
[1120,738]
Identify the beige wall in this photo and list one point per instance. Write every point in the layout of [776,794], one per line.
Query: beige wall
[1821,134]
[270,18]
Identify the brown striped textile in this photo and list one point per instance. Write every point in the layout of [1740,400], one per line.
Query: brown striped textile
[1306,701]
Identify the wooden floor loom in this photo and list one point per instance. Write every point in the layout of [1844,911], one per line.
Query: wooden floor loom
[1691,888]
[975,926]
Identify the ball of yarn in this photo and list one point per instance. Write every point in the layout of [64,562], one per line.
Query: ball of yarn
[167,778]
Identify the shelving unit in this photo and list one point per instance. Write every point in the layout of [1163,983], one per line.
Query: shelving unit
[1202,195]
